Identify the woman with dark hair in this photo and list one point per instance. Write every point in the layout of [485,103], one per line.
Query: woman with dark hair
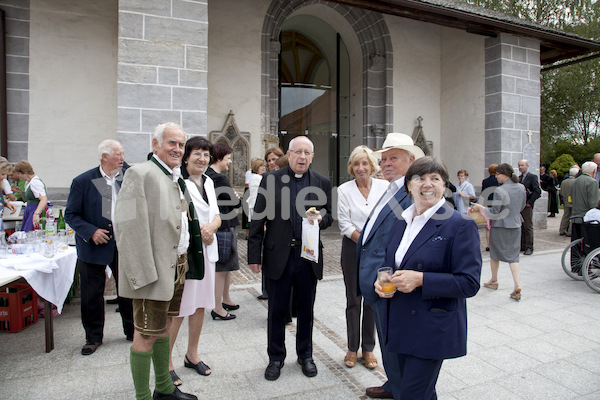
[551,187]
[198,293]
[434,251]
[505,235]
[271,157]
[226,237]
[34,195]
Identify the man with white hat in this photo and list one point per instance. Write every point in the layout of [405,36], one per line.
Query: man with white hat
[397,154]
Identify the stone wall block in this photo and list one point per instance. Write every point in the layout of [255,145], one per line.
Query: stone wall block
[17,101]
[511,102]
[144,96]
[374,98]
[534,72]
[508,38]
[530,105]
[151,118]
[17,64]
[137,146]
[131,25]
[193,78]
[176,31]
[493,120]
[521,122]
[151,53]
[493,102]
[493,139]
[17,151]
[20,10]
[136,74]
[528,87]
[529,43]
[194,123]
[535,123]
[16,27]
[191,99]
[519,54]
[168,76]
[493,68]
[197,11]
[512,68]
[533,57]
[508,120]
[128,120]
[493,85]
[17,127]
[152,7]
[17,81]
[17,46]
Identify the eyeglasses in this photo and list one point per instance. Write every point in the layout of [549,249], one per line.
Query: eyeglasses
[300,152]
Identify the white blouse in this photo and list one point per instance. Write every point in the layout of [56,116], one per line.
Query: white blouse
[205,212]
[353,208]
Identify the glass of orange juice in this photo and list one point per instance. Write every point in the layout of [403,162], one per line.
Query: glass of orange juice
[384,276]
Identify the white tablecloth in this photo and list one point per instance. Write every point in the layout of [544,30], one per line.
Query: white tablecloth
[52,286]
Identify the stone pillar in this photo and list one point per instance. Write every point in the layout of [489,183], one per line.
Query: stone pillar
[512,105]
[162,71]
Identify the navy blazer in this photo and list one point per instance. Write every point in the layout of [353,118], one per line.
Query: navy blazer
[370,256]
[88,209]
[270,247]
[431,321]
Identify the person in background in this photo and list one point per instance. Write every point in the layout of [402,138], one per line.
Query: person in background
[486,184]
[465,192]
[583,192]
[593,215]
[282,162]
[544,178]
[271,157]
[596,160]
[505,214]
[5,184]
[552,189]
[356,200]
[34,194]
[90,212]
[435,254]
[5,168]
[152,231]
[533,191]
[17,185]
[226,237]
[565,191]
[199,289]
[259,167]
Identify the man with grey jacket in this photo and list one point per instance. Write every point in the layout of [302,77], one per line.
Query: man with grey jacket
[151,229]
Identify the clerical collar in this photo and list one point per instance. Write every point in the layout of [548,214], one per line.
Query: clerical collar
[295,175]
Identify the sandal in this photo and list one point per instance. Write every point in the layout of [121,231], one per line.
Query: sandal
[350,361]
[516,295]
[175,378]
[491,285]
[370,362]
[200,368]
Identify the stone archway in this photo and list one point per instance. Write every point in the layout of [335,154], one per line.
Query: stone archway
[377,61]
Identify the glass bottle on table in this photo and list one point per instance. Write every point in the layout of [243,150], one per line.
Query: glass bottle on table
[60,223]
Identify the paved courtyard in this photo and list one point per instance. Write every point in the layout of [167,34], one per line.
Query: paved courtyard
[544,347]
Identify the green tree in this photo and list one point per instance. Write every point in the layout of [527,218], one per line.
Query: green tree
[562,165]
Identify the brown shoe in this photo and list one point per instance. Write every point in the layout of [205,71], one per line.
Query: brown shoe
[89,348]
[377,392]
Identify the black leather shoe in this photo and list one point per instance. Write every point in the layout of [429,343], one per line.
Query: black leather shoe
[308,367]
[262,297]
[229,307]
[176,395]
[273,370]
[528,252]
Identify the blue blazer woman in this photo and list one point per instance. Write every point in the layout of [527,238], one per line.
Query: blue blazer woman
[431,322]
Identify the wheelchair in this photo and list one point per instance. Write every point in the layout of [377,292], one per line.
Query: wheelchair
[581,258]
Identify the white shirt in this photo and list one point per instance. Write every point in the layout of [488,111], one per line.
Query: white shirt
[247,176]
[387,196]
[592,215]
[353,209]
[414,224]
[184,238]
[37,187]
[6,187]
[111,182]
[253,185]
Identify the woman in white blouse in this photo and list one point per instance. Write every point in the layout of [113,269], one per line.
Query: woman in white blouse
[356,200]
[258,166]
[34,194]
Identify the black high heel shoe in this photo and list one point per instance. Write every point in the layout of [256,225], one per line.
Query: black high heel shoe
[229,307]
[214,316]
[200,368]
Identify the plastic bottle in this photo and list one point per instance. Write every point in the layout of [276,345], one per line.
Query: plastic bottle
[50,222]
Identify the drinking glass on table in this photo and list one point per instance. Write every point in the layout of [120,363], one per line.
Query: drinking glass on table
[384,277]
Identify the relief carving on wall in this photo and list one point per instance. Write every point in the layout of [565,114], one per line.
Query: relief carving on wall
[240,143]
[420,140]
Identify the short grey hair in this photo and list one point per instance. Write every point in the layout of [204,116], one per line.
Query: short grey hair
[574,171]
[107,147]
[589,167]
[159,131]
[301,136]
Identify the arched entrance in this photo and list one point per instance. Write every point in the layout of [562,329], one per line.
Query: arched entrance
[366,116]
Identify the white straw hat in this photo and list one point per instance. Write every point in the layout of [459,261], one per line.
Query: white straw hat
[401,141]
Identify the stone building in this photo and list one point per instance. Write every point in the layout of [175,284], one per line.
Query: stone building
[463,80]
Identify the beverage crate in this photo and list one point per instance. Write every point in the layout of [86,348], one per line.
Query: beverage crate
[18,308]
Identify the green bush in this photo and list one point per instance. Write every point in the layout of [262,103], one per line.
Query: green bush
[562,165]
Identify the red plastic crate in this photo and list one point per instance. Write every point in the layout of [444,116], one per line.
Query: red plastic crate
[18,308]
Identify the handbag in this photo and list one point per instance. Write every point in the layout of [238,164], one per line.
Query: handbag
[224,239]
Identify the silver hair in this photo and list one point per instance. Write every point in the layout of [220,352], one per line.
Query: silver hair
[302,136]
[107,147]
[159,131]
[589,167]
[573,171]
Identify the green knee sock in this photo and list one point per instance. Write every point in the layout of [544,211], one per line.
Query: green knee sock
[160,358]
[140,371]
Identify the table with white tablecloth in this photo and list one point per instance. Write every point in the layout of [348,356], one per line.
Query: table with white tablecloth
[51,278]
